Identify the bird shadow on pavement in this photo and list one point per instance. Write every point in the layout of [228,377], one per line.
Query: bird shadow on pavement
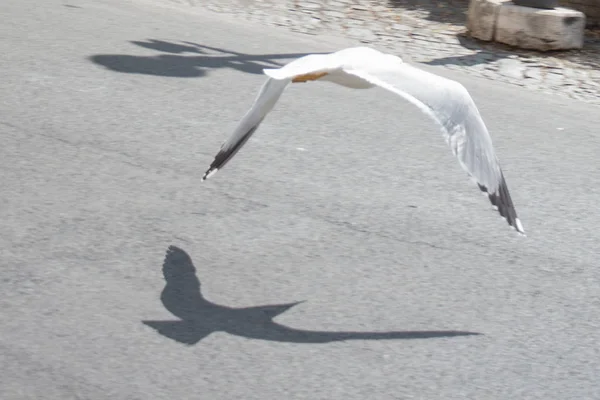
[199,317]
[187,60]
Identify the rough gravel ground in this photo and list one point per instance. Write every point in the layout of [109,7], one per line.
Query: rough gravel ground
[431,32]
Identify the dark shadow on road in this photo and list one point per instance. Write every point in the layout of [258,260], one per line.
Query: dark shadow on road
[481,57]
[199,317]
[491,52]
[188,60]
[448,11]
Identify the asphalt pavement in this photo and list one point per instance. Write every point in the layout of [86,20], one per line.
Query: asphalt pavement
[342,254]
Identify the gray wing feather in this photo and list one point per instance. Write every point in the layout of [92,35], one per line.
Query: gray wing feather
[449,104]
[266,99]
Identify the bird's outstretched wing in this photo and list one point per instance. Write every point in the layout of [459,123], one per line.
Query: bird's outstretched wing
[450,105]
[310,67]
[263,104]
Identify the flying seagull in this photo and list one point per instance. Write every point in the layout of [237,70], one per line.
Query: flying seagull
[446,101]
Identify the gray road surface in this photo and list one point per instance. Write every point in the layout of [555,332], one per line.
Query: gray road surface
[347,202]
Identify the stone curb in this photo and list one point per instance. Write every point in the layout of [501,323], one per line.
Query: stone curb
[505,22]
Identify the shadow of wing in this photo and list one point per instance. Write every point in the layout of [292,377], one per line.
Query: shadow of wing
[281,333]
[178,265]
[180,331]
[181,295]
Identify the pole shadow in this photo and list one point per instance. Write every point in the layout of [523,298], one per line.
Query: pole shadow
[199,317]
[187,60]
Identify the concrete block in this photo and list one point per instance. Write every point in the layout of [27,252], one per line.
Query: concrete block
[532,28]
[481,18]
[545,4]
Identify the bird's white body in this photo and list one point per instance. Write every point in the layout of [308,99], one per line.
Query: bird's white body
[347,59]
[350,81]
[446,101]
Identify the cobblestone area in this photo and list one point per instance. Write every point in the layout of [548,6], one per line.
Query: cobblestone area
[431,32]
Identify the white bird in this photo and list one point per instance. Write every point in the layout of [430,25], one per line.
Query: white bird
[446,101]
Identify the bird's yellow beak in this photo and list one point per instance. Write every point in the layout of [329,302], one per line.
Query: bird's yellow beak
[308,77]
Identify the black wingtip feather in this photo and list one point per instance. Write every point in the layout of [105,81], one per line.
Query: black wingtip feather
[223,156]
[503,202]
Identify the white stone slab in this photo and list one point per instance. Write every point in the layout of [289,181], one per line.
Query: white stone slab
[533,28]
[481,18]
[526,27]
